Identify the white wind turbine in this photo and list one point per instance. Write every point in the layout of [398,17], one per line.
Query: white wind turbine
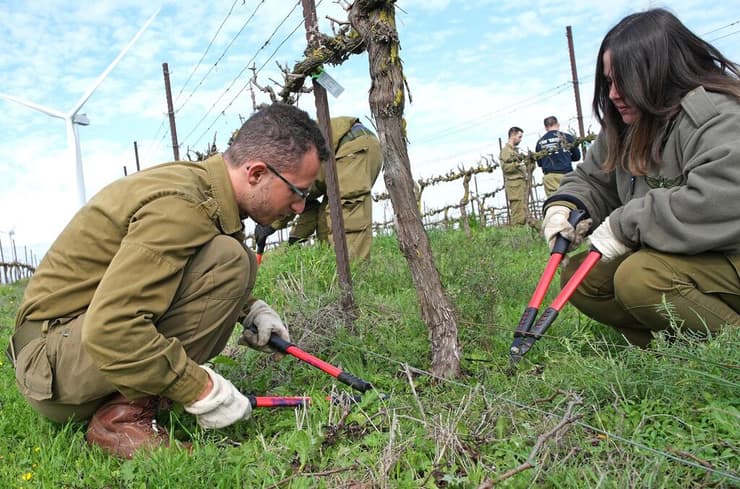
[74,118]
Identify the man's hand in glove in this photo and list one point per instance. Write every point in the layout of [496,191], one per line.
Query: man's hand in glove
[267,322]
[604,240]
[260,235]
[222,406]
[556,223]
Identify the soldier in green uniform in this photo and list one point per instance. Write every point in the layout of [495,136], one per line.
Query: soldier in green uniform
[147,282]
[515,177]
[359,159]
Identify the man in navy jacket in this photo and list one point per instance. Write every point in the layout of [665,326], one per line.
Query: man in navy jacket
[561,151]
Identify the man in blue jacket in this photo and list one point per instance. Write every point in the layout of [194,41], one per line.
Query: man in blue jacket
[561,151]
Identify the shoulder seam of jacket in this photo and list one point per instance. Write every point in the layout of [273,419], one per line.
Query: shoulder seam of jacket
[698,106]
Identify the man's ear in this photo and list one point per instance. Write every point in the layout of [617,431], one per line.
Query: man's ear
[255,171]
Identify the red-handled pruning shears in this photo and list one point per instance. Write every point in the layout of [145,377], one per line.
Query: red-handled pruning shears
[296,401]
[287,347]
[278,401]
[527,332]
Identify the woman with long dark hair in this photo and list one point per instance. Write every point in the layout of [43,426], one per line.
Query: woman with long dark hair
[661,184]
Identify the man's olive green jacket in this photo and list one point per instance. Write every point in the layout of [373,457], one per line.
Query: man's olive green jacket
[121,259]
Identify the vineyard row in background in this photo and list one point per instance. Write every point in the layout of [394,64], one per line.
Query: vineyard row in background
[488,208]
[15,266]
[471,205]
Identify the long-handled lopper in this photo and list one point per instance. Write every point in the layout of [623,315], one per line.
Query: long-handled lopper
[287,347]
[295,401]
[278,401]
[527,332]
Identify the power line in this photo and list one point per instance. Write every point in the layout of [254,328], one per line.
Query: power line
[455,129]
[246,66]
[726,35]
[281,45]
[592,64]
[720,28]
[157,139]
[222,55]
[177,98]
[515,106]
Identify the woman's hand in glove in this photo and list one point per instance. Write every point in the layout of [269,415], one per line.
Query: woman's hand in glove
[604,240]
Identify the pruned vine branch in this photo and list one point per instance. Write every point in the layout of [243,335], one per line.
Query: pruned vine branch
[333,50]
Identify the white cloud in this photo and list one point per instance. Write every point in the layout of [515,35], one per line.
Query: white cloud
[409,5]
[475,68]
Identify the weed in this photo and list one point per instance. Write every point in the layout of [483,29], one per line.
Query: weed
[663,417]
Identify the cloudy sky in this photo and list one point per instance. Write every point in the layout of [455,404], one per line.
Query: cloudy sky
[474,67]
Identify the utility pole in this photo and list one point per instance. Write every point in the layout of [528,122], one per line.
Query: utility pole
[332,182]
[136,155]
[170,111]
[4,265]
[16,271]
[579,113]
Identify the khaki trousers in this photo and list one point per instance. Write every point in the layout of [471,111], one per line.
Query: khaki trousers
[552,182]
[202,316]
[703,293]
[515,193]
[311,221]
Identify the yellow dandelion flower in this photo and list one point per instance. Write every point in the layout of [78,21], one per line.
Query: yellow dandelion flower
[27,476]
[37,449]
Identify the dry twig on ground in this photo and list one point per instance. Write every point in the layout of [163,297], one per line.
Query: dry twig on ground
[555,433]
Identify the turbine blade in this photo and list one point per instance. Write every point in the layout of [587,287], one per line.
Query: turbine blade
[31,105]
[112,65]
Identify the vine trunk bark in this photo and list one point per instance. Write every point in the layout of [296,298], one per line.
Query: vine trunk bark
[375,21]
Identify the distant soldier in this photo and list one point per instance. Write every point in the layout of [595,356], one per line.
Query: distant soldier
[561,151]
[358,157]
[513,165]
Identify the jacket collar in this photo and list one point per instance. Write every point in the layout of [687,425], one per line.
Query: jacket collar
[222,191]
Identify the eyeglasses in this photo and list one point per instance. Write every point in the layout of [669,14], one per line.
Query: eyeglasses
[303,194]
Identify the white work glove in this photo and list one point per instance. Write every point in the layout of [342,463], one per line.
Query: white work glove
[223,406]
[556,223]
[267,322]
[609,246]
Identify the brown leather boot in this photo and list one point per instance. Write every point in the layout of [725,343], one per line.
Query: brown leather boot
[121,427]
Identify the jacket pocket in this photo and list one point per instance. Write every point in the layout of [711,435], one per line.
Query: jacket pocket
[357,214]
[33,371]
[354,173]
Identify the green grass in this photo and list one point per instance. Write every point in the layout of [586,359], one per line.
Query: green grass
[665,417]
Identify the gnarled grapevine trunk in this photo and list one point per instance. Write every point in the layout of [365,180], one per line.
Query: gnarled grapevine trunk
[375,21]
